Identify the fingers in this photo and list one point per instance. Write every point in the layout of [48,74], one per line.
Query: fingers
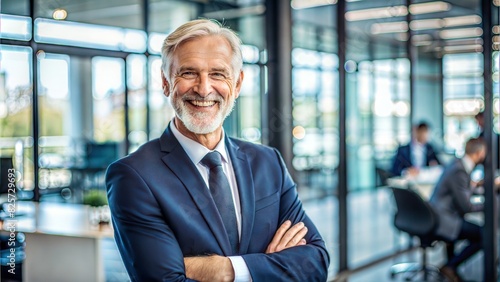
[288,236]
[297,237]
[271,248]
[292,236]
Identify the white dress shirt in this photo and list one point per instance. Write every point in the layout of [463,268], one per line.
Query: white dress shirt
[469,165]
[418,154]
[196,152]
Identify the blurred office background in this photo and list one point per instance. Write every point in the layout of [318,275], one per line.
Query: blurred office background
[80,87]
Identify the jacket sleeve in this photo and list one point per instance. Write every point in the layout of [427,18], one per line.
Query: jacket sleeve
[431,155]
[461,193]
[301,263]
[147,245]
[397,163]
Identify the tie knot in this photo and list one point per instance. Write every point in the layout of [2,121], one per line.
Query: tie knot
[212,159]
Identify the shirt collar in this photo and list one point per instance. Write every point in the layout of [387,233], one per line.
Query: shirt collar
[468,164]
[417,144]
[195,151]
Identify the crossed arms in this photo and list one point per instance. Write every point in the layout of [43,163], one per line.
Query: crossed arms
[219,268]
[161,238]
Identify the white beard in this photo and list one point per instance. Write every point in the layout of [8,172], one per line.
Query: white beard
[199,122]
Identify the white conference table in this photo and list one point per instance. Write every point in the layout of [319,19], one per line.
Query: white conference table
[61,243]
[424,185]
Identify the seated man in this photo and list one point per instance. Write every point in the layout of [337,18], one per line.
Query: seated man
[196,204]
[451,200]
[496,138]
[415,155]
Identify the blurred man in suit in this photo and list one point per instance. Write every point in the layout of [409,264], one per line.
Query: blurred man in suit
[196,204]
[451,200]
[496,140]
[410,158]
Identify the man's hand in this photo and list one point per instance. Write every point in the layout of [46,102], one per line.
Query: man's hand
[211,268]
[411,172]
[287,236]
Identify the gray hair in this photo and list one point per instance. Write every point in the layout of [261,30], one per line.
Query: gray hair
[198,28]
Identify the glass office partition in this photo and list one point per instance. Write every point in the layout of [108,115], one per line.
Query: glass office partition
[315,115]
[378,114]
[249,103]
[124,13]
[59,115]
[16,109]
[15,7]
[137,99]
[462,98]
[496,88]
[160,110]
[108,92]
[377,118]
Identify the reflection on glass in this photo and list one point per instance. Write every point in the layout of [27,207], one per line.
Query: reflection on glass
[56,121]
[315,120]
[16,111]
[155,42]
[88,35]
[136,82]
[108,92]
[463,97]
[249,103]
[160,110]
[15,27]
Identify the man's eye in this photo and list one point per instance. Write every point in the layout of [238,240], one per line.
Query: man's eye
[218,75]
[188,74]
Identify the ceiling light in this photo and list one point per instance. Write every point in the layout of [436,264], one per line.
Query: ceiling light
[464,41]
[461,33]
[426,24]
[429,7]
[421,39]
[496,2]
[463,48]
[236,12]
[464,20]
[376,13]
[59,14]
[303,4]
[390,27]
[402,36]
[462,107]
[496,29]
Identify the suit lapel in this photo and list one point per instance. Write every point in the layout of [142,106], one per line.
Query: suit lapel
[244,179]
[178,161]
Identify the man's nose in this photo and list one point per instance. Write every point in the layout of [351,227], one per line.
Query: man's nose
[203,85]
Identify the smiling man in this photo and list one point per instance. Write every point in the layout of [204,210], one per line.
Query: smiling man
[196,204]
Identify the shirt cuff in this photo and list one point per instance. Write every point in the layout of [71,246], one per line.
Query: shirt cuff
[241,272]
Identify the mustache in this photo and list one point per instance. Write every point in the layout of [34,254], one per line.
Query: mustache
[195,97]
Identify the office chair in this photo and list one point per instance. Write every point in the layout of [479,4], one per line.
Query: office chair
[382,176]
[417,218]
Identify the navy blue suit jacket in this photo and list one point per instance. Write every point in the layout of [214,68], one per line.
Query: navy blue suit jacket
[162,211]
[402,159]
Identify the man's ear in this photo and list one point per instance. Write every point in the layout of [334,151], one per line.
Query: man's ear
[165,85]
[239,81]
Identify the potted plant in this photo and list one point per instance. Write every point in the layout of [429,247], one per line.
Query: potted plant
[97,200]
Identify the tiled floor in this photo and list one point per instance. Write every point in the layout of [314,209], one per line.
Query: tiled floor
[370,236]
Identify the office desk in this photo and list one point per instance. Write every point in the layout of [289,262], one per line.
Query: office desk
[61,244]
[423,188]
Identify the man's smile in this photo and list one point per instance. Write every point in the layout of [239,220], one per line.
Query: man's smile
[198,103]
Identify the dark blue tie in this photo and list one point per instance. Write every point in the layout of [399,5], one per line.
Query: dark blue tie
[221,193]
